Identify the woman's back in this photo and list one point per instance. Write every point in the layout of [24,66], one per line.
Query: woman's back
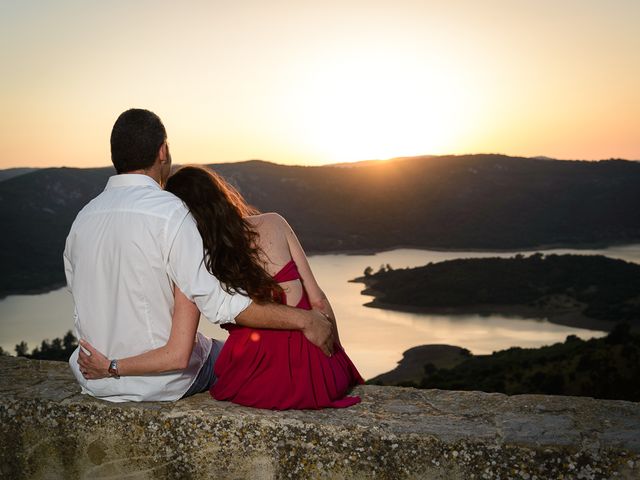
[281,369]
[273,242]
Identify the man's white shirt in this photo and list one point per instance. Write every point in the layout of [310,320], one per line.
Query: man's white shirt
[125,251]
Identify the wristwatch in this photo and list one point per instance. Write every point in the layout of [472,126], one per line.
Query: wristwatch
[113,368]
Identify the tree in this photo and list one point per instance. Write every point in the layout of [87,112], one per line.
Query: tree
[22,349]
[70,342]
[430,369]
[56,344]
[45,347]
[368,271]
[621,333]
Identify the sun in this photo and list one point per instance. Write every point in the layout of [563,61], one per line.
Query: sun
[360,108]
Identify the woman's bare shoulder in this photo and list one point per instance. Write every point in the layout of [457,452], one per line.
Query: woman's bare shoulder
[270,220]
[272,238]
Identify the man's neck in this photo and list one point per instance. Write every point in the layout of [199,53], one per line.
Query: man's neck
[152,173]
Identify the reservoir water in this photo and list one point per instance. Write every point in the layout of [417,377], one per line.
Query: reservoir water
[374,338]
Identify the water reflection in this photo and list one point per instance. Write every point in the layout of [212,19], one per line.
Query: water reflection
[374,338]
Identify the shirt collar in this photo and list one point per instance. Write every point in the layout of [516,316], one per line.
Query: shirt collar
[131,180]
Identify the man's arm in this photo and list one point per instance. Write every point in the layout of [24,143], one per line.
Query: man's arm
[314,325]
[68,267]
[171,357]
[68,273]
[187,270]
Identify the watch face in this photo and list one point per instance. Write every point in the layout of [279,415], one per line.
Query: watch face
[113,368]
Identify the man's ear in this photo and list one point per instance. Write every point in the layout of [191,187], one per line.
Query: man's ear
[162,153]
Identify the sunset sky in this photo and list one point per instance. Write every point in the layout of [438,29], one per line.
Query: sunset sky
[300,82]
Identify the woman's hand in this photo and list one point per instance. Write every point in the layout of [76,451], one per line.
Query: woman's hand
[93,365]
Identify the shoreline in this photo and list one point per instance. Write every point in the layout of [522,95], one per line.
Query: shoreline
[543,247]
[33,291]
[374,251]
[568,318]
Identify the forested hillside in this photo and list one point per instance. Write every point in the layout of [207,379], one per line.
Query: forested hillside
[472,201]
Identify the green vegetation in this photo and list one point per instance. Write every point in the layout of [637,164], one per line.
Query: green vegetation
[410,369]
[37,210]
[598,287]
[606,368]
[458,202]
[59,349]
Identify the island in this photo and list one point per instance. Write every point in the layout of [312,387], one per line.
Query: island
[585,291]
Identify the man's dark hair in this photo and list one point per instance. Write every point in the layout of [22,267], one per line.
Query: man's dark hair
[135,140]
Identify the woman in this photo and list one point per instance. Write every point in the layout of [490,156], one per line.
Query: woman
[258,254]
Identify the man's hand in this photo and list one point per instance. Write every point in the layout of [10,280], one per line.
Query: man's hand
[94,365]
[319,331]
[313,324]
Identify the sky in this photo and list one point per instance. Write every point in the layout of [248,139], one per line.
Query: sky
[309,83]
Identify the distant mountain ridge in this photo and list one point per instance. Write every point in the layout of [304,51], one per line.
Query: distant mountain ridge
[482,201]
[13,172]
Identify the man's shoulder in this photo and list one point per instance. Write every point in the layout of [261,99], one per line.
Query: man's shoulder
[142,201]
[161,201]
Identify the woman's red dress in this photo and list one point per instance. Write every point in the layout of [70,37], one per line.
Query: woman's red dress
[281,369]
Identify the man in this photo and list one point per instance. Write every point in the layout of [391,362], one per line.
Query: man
[126,250]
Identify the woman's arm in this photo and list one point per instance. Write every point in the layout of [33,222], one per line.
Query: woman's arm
[317,297]
[175,355]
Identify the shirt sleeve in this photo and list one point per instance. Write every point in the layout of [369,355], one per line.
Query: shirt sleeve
[187,270]
[68,273]
[68,267]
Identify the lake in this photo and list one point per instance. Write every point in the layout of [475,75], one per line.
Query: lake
[374,338]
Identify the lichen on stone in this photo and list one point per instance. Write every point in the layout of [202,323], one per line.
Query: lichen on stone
[47,429]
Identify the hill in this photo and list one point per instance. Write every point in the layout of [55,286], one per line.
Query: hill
[460,202]
[13,172]
[410,370]
[602,368]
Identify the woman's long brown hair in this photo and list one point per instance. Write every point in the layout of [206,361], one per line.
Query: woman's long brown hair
[230,251]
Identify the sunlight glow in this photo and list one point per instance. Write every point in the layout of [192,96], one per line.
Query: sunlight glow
[313,83]
[358,108]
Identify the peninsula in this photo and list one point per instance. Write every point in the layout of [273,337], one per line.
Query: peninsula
[585,291]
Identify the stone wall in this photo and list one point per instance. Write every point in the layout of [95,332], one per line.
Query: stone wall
[48,430]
